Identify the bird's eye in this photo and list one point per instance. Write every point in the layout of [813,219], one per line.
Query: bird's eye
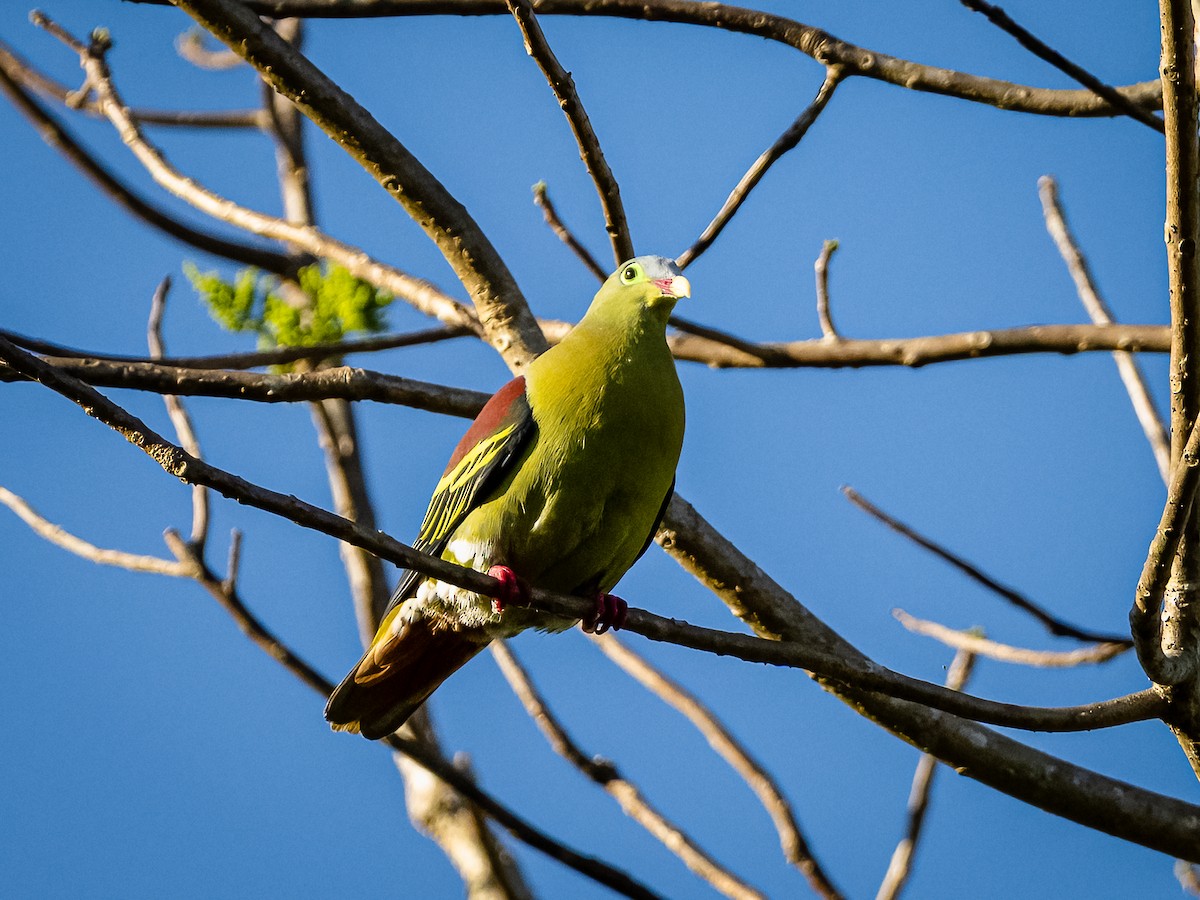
[629,274]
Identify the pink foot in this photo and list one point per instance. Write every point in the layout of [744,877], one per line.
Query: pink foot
[511,589]
[611,612]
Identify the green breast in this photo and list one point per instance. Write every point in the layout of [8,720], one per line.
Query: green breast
[579,507]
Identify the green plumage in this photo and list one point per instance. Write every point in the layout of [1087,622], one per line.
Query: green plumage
[563,483]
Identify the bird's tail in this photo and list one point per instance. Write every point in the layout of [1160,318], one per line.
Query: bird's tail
[396,675]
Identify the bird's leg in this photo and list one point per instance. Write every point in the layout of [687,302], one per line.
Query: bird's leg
[511,588]
[611,612]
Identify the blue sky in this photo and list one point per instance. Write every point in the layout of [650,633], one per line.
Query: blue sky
[151,748]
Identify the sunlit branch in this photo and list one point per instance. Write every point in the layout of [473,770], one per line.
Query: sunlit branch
[563,86]
[564,234]
[225,592]
[499,304]
[900,866]
[421,294]
[1053,624]
[60,537]
[821,270]
[1100,314]
[178,414]
[1040,49]
[254,359]
[785,142]
[982,646]
[25,74]
[809,40]
[56,136]
[795,846]
[607,776]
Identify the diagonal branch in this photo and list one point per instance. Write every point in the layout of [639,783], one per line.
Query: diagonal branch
[421,294]
[498,299]
[224,591]
[785,142]
[980,646]
[606,775]
[1100,314]
[542,199]
[1054,625]
[811,41]
[791,839]
[56,136]
[900,865]
[563,86]
[1041,50]
[60,537]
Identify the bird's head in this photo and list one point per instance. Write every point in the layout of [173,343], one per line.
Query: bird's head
[647,285]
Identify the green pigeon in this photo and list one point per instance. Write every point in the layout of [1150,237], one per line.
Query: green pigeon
[560,482]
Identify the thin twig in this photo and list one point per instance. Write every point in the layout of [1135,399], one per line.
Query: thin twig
[564,234]
[821,269]
[418,292]
[178,414]
[981,646]
[785,142]
[807,39]
[1166,663]
[59,536]
[26,75]
[224,591]
[254,359]
[900,865]
[605,774]
[190,46]
[341,383]
[1045,781]
[563,86]
[55,135]
[1053,624]
[499,306]
[1100,314]
[795,848]
[1002,20]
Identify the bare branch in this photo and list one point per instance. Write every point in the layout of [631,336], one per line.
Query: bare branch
[1002,20]
[1053,624]
[54,134]
[918,797]
[342,383]
[225,593]
[190,46]
[178,414]
[921,351]
[813,42]
[501,308]
[421,294]
[791,839]
[1097,309]
[57,535]
[563,86]
[26,75]
[784,143]
[605,774]
[542,199]
[274,357]
[981,646]
[1037,778]
[821,268]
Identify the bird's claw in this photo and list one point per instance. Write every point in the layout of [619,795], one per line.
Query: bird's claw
[611,612]
[511,588]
